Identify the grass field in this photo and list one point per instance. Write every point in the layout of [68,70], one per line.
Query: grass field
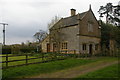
[107,72]
[49,57]
[35,69]
[19,62]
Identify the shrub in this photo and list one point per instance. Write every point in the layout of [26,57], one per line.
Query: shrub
[85,55]
[27,49]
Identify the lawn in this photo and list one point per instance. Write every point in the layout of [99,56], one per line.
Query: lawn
[35,69]
[107,72]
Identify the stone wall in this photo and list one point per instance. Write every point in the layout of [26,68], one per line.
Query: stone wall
[89,18]
[69,35]
[89,40]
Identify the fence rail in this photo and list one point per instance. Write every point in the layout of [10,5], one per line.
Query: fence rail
[43,57]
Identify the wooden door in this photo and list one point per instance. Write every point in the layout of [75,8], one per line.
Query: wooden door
[48,47]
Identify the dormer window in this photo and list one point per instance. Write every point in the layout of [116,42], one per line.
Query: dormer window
[90,27]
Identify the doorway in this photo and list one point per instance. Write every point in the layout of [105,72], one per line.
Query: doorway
[48,47]
[90,49]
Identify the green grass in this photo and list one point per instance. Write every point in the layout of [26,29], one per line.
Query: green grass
[49,57]
[19,62]
[35,69]
[5,54]
[107,72]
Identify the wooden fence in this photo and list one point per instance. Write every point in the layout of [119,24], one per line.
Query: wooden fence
[43,57]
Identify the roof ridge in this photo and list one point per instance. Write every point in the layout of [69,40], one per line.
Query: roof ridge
[75,15]
[70,16]
[84,14]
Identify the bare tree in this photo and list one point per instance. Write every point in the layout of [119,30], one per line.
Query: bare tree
[39,36]
[53,21]
[55,38]
[55,32]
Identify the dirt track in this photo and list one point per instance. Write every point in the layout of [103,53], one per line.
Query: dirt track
[76,71]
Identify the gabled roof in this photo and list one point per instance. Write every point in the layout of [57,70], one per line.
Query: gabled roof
[69,21]
[73,20]
[45,38]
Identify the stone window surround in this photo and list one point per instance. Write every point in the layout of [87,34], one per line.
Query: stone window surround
[90,26]
[64,45]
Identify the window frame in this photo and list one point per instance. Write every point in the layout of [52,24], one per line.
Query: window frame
[84,46]
[64,45]
[90,27]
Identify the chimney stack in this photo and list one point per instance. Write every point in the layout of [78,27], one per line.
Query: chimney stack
[73,12]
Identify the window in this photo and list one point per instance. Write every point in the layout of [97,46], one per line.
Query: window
[90,27]
[64,45]
[96,47]
[84,46]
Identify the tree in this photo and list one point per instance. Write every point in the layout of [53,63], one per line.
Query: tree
[55,33]
[108,32]
[112,13]
[39,36]
[53,21]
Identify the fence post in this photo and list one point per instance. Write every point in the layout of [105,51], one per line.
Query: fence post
[26,59]
[6,60]
[42,56]
[67,53]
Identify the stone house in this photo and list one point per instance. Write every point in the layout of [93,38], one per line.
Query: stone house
[45,44]
[80,32]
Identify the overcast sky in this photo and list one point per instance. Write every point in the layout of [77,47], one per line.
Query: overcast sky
[25,17]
